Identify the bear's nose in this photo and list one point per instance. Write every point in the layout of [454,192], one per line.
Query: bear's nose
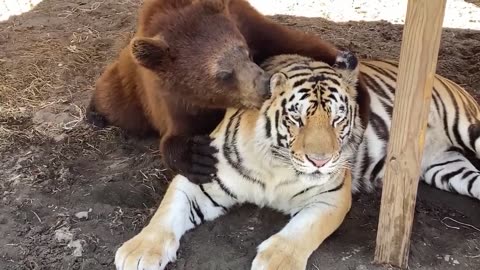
[318,160]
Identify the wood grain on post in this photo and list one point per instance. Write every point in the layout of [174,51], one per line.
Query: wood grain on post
[418,61]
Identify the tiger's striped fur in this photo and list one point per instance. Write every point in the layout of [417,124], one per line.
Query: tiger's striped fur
[293,155]
[453,133]
[264,159]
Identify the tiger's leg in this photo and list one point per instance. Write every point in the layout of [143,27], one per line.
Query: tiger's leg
[290,248]
[184,206]
[452,171]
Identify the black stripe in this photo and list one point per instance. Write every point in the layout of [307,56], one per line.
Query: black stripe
[470,106]
[324,72]
[445,117]
[464,100]
[365,160]
[456,131]
[268,123]
[381,71]
[192,215]
[451,188]
[388,107]
[268,127]
[374,86]
[435,102]
[299,82]
[474,134]
[321,77]
[379,126]
[303,191]
[446,177]
[391,63]
[211,199]
[377,168]
[234,137]
[198,211]
[434,183]
[389,86]
[442,164]
[335,188]
[456,150]
[470,185]
[224,188]
[333,91]
[280,137]
[467,174]
[299,75]
[315,202]
[297,67]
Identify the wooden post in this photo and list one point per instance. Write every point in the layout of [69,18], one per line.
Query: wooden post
[418,60]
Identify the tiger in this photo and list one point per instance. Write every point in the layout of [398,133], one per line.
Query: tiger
[271,157]
[262,158]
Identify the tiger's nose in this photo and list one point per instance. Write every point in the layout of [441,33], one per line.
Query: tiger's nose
[318,160]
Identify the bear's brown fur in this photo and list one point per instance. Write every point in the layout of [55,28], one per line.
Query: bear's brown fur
[188,61]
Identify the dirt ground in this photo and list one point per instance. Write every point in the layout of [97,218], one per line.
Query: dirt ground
[71,194]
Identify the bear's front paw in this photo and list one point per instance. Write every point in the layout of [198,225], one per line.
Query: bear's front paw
[202,167]
[147,251]
[193,157]
[279,253]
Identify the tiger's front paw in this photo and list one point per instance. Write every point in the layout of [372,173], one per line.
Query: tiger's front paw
[279,253]
[148,250]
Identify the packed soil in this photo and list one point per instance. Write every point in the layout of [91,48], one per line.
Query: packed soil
[71,194]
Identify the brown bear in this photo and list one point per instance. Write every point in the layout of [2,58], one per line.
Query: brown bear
[188,61]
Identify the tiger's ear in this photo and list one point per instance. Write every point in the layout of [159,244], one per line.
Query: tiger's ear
[346,64]
[278,82]
[152,53]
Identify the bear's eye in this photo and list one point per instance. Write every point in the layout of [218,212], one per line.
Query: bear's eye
[225,75]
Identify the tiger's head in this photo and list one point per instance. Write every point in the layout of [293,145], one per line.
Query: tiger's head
[312,117]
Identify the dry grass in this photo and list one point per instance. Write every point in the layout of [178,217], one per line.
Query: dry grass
[47,69]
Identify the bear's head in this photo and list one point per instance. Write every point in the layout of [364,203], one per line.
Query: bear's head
[199,52]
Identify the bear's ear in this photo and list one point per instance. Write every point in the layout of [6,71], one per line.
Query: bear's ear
[151,53]
[215,6]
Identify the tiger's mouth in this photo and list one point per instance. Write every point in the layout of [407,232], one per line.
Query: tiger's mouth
[306,167]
